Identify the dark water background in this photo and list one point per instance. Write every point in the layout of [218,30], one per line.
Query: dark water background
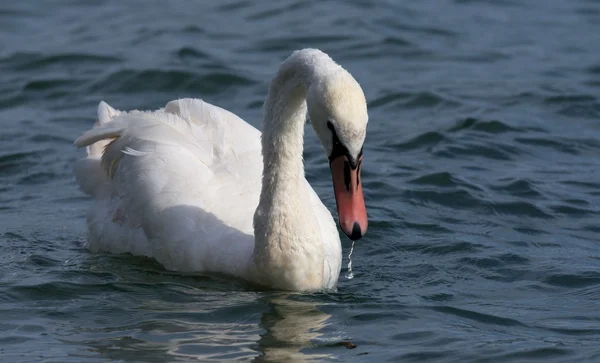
[481,176]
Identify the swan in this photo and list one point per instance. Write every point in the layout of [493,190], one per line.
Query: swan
[198,189]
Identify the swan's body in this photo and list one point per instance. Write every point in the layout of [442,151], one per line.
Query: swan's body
[183,185]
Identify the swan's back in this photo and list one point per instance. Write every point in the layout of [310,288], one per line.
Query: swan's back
[188,172]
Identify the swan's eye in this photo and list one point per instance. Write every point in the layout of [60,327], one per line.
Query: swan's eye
[338,148]
[347,175]
[358,173]
[336,140]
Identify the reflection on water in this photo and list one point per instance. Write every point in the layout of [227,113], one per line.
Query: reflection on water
[290,325]
[192,318]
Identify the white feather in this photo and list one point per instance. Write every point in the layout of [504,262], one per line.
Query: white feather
[130,151]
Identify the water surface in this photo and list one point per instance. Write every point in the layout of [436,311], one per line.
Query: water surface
[480,175]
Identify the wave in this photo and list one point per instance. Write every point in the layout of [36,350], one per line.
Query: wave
[13,163]
[443,179]
[576,105]
[406,100]
[518,188]
[283,43]
[491,127]
[21,61]
[477,316]
[159,80]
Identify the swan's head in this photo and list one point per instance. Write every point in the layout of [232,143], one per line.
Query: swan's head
[338,113]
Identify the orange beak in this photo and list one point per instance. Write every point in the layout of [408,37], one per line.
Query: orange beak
[348,191]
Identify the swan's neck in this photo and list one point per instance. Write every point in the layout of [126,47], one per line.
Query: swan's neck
[288,250]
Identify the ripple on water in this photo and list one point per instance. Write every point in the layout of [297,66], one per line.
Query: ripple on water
[233,6]
[534,353]
[264,14]
[491,127]
[190,53]
[423,227]
[501,260]
[518,188]
[36,61]
[519,208]
[38,178]
[13,163]
[47,89]
[396,47]
[572,211]
[280,44]
[444,248]
[443,179]
[556,145]
[43,261]
[475,150]
[171,80]
[461,199]
[425,140]
[582,279]
[579,326]
[594,186]
[508,267]
[418,29]
[581,105]
[594,69]
[406,100]
[477,316]
[43,138]
[195,58]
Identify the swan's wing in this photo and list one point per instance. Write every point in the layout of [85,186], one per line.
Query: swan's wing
[179,184]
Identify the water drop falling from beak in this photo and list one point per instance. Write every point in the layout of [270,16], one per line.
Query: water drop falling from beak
[350,274]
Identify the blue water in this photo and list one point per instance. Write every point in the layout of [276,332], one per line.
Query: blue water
[480,174]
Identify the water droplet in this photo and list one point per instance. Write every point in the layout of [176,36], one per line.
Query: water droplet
[350,274]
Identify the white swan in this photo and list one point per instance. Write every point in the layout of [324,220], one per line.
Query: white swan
[183,184]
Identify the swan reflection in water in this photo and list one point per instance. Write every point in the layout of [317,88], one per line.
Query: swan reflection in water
[189,323]
[290,326]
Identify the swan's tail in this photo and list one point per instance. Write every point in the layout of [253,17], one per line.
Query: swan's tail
[89,173]
[99,136]
[118,133]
